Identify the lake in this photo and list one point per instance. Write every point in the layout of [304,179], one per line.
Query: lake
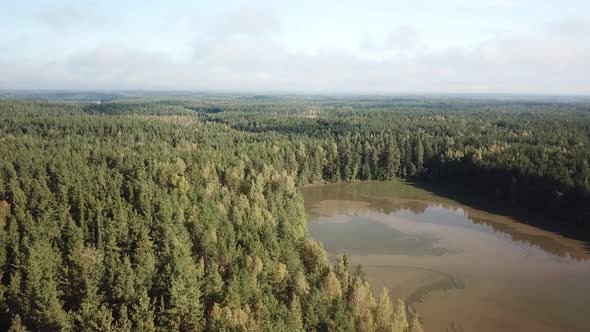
[459,267]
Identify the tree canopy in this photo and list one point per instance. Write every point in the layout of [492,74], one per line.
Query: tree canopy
[183,214]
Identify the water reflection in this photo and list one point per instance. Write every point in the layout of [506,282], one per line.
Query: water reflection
[458,266]
[378,238]
[344,199]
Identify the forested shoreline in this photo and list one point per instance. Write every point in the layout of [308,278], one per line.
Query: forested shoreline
[182,213]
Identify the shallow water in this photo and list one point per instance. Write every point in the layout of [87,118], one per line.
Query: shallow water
[459,268]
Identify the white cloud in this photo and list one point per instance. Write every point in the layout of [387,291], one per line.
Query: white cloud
[70,17]
[242,50]
[401,38]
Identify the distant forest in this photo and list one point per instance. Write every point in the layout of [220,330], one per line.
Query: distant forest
[181,212]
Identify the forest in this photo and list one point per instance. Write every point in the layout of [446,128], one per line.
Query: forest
[179,212]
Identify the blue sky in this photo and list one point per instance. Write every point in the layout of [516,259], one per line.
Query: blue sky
[444,46]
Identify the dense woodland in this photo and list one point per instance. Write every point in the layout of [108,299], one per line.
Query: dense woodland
[181,213]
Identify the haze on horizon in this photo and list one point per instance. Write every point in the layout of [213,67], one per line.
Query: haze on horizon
[427,46]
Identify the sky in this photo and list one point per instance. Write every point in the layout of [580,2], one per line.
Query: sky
[371,46]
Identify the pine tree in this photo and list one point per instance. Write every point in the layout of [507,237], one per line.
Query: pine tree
[342,271]
[123,323]
[44,308]
[362,304]
[319,160]
[304,174]
[180,278]
[391,160]
[418,155]
[16,325]
[400,319]
[143,315]
[212,284]
[331,286]
[415,325]
[295,321]
[93,314]
[384,314]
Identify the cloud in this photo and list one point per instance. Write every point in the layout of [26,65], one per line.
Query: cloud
[252,20]
[404,36]
[241,40]
[67,17]
[497,3]
[402,39]
[242,50]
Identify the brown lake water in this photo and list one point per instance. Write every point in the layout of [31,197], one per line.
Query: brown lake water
[458,267]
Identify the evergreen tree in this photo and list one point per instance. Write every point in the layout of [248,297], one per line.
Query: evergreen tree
[295,321]
[143,316]
[16,325]
[415,325]
[385,315]
[400,322]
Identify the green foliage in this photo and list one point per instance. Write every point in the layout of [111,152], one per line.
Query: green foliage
[183,214]
[16,325]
